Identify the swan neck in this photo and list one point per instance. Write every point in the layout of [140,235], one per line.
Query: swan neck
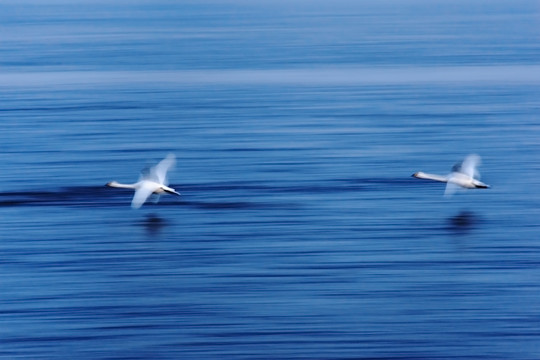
[423,175]
[119,185]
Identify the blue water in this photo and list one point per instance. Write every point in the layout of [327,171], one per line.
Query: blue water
[300,233]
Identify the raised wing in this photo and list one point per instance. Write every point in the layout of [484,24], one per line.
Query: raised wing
[468,166]
[159,172]
[142,194]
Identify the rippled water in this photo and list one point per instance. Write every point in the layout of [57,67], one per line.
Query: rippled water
[300,233]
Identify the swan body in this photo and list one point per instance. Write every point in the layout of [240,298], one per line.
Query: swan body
[464,175]
[153,182]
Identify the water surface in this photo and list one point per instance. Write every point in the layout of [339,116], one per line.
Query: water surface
[300,233]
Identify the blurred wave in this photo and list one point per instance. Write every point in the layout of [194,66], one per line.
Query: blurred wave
[464,220]
[102,196]
[87,196]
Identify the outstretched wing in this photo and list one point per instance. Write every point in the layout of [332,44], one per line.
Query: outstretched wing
[468,166]
[451,188]
[159,172]
[141,195]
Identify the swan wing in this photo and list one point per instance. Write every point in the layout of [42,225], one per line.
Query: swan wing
[159,172]
[451,188]
[142,193]
[469,165]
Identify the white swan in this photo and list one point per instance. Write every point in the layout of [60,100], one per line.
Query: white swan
[463,175]
[152,182]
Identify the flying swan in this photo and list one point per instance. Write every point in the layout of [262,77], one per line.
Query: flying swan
[463,175]
[152,182]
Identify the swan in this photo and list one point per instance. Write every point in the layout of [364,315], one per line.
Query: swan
[463,175]
[151,182]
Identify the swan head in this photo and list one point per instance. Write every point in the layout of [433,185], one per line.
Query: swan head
[112,184]
[419,175]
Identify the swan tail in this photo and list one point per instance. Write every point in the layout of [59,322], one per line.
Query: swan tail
[171,191]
